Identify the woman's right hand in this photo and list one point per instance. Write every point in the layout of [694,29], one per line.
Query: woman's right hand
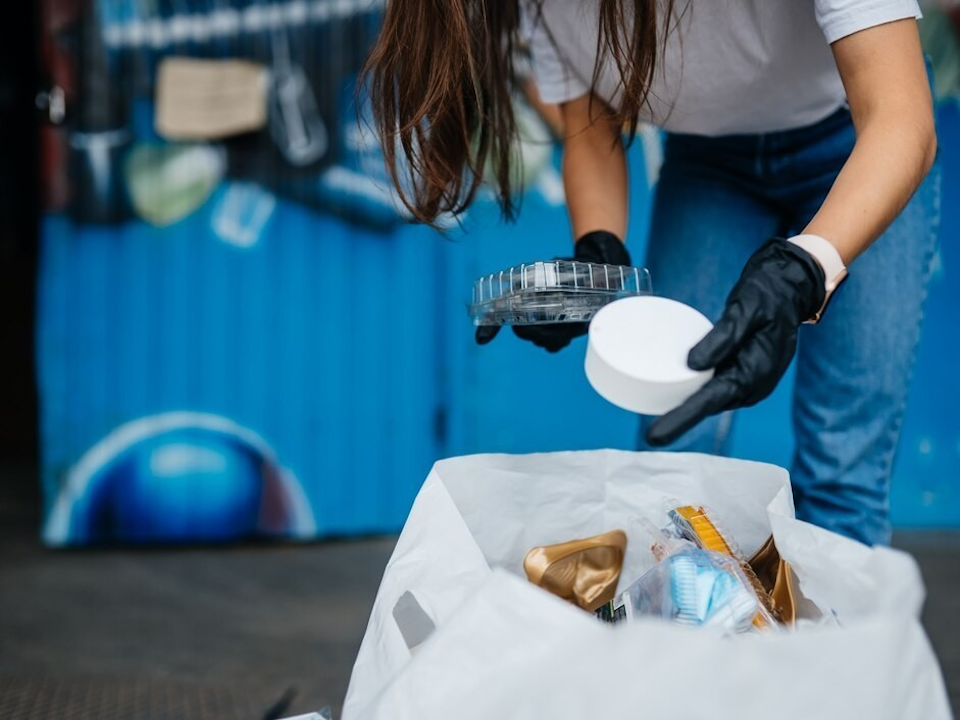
[598,246]
[595,184]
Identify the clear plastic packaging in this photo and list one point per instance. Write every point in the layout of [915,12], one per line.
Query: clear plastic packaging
[553,291]
[698,524]
[661,542]
[691,587]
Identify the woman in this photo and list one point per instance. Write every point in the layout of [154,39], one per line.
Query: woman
[806,121]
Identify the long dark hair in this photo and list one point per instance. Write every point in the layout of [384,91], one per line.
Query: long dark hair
[440,78]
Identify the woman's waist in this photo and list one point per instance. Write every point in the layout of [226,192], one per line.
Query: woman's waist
[829,139]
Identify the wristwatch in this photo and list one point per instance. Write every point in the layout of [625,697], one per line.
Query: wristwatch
[834,271]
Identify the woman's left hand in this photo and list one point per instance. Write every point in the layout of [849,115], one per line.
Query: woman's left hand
[752,345]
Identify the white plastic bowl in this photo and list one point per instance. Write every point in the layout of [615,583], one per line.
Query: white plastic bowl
[637,353]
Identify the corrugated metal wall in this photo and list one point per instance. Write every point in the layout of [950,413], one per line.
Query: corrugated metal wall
[315,339]
[291,311]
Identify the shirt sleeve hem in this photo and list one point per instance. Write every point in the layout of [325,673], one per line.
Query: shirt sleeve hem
[839,25]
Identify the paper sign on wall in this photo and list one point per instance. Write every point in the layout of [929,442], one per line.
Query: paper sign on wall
[210,99]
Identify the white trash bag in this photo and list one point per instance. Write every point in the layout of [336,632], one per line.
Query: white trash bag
[457,632]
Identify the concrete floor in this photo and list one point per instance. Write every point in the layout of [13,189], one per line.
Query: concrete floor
[203,633]
[189,633]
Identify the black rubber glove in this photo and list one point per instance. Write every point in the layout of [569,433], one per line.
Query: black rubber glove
[598,246]
[752,344]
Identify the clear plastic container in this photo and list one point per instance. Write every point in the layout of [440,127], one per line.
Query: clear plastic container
[698,524]
[690,587]
[553,291]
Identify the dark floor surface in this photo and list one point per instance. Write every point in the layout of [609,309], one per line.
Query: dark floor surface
[222,633]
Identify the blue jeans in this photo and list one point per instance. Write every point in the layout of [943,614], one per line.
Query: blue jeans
[717,200]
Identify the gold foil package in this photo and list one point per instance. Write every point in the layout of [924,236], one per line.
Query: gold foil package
[584,572]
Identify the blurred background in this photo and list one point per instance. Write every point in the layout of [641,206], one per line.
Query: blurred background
[219,331]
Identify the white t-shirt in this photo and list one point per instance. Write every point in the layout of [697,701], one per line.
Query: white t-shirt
[730,66]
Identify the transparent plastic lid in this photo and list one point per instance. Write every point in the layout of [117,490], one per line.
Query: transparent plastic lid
[553,291]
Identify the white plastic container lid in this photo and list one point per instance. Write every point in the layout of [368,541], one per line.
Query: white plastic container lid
[637,353]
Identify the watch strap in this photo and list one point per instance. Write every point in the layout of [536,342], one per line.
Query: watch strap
[827,256]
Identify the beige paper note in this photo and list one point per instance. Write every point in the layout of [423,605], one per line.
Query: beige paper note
[209,99]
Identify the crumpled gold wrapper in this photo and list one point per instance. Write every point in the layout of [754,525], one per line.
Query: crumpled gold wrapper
[583,572]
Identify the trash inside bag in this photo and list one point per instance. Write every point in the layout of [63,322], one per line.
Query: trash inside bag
[457,630]
[584,572]
[692,587]
[702,579]
[698,524]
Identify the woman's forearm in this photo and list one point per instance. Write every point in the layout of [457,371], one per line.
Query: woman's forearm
[884,75]
[890,159]
[594,170]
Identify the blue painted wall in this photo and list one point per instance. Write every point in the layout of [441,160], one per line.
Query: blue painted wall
[314,339]
[301,381]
